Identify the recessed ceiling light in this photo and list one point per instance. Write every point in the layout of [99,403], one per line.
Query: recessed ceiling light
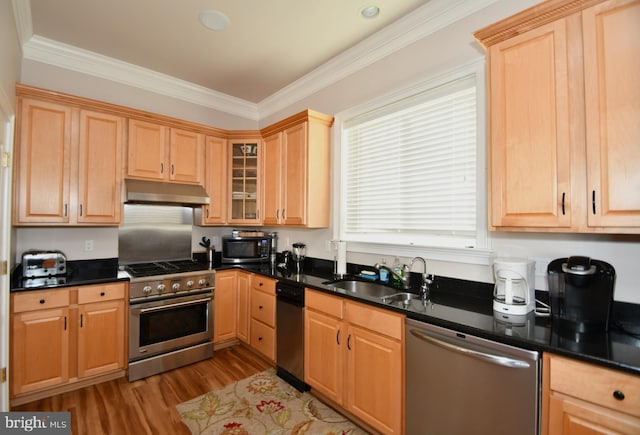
[370,12]
[214,20]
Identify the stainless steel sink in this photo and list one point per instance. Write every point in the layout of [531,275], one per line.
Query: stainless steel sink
[400,298]
[363,288]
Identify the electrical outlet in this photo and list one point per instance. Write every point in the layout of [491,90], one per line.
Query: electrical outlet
[88,245]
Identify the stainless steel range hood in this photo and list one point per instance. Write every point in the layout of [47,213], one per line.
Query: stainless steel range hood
[142,191]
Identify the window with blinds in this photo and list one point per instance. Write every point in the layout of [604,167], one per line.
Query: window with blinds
[409,174]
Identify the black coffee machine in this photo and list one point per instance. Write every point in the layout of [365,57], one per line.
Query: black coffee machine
[581,293]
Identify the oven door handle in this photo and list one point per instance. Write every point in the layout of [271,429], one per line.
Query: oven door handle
[172,306]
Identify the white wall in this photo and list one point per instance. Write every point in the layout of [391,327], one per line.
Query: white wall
[436,54]
[9,72]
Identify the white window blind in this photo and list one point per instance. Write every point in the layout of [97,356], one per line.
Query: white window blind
[410,175]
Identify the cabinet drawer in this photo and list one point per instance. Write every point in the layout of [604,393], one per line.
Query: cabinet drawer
[38,300]
[595,384]
[263,284]
[100,293]
[375,319]
[263,339]
[327,304]
[263,308]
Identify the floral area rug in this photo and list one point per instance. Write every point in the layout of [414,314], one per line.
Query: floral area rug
[262,404]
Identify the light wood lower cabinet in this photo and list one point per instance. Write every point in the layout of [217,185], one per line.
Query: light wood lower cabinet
[243,310]
[583,399]
[225,303]
[354,356]
[66,336]
[262,335]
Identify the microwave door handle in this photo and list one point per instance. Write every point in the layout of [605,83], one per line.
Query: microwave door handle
[495,359]
[172,306]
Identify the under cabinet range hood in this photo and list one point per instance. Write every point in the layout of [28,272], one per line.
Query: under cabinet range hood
[142,191]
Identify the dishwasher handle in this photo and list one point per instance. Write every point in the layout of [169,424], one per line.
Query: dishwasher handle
[494,359]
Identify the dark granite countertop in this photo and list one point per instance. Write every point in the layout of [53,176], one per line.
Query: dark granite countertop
[460,305]
[467,307]
[79,272]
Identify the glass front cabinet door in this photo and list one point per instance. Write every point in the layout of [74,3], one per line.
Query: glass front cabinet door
[245,181]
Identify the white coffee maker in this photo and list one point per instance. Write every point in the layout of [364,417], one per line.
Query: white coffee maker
[514,292]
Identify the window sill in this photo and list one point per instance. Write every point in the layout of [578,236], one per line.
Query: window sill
[476,256]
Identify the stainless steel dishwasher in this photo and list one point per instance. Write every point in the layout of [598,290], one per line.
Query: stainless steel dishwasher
[290,334]
[461,384]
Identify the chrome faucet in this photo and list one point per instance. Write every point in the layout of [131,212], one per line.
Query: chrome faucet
[404,278]
[426,279]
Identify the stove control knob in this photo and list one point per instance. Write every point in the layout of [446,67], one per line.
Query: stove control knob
[146,289]
[202,282]
[161,288]
[175,287]
[190,283]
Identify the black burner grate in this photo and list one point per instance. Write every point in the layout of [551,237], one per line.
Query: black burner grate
[164,267]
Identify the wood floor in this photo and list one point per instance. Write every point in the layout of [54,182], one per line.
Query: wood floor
[147,406]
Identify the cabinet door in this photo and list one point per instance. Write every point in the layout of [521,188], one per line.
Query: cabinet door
[529,151]
[244,307]
[294,175]
[100,168]
[224,320]
[568,416]
[611,32]
[273,166]
[325,338]
[40,350]
[215,181]
[187,155]
[148,150]
[44,161]
[374,379]
[263,339]
[101,338]
[245,184]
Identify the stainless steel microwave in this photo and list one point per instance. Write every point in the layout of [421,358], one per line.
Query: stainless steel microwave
[245,249]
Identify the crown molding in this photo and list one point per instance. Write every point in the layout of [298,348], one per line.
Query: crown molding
[424,21]
[433,16]
[73,58]
[22,17]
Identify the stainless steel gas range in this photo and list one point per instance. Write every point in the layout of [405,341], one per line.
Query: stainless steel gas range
[171,297]
[170,316]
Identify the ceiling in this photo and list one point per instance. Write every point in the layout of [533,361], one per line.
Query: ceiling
[268,44]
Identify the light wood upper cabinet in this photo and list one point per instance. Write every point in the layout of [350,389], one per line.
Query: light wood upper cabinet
[158,152]
[354,353]
[100,168]
[530,167]
[297,171]
[69,164]
[611,37]
[215,213]
[563,110]
[244,181]
[186,162]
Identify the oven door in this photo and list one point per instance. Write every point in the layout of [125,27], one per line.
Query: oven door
[161,326]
